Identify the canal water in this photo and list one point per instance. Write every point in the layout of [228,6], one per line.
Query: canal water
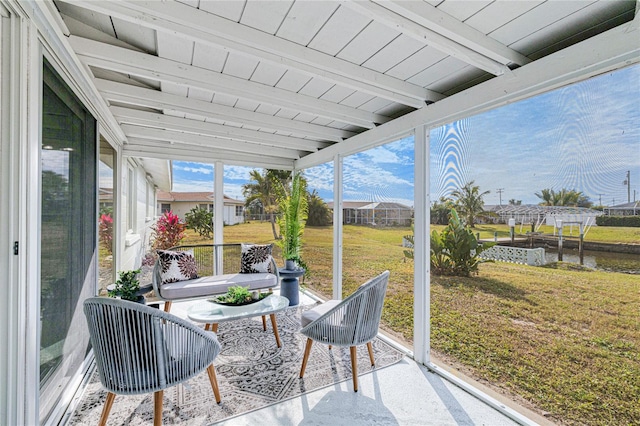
[602,260]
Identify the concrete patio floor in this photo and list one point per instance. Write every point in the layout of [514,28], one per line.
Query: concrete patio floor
[406,393]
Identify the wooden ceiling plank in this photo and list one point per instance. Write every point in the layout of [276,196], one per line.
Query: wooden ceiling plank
[155,99]
[204,27]
[119,59]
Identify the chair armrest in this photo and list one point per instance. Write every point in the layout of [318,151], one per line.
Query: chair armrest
[274,266]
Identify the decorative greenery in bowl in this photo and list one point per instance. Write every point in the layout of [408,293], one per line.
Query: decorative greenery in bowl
[238,296]
[127,286]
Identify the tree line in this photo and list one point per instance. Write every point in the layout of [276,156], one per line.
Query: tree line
[469,202]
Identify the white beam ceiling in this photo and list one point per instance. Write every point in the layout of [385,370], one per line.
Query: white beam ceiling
[445,25]
[176,151]
[421,30]
[127,61]
[162,121]
[184,21]
[140,132]
[610,50]
[129,94]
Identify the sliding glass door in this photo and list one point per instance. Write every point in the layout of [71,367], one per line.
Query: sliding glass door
[68,241]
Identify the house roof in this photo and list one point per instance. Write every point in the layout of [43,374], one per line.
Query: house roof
[368,205]
[625,206]
[203,197]
[291,84]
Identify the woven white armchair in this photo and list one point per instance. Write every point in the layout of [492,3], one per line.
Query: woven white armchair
[139,349]
[349,322]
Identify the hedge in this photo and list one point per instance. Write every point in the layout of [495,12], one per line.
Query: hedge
[630,221]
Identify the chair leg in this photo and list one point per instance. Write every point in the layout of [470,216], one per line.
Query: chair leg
[370,347]
[157,408]
[307,351]
[167,306]
[211,371]
[107,408]
[354,367]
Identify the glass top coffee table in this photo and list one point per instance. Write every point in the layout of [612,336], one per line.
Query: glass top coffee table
[212,314]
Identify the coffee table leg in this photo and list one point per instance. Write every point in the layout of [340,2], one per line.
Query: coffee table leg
[211,326]
[264,323]
[275,329]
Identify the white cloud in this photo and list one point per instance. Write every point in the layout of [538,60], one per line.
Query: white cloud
[192,186]
[206,169]
[233,190]
[237,172]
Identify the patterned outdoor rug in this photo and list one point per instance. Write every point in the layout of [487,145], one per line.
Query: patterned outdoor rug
[252,373]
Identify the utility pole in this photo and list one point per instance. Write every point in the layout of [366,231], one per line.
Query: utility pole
[500,191]
[628,183]
[600,199]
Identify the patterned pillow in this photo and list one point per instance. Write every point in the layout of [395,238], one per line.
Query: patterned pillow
[177,266]
[256,258]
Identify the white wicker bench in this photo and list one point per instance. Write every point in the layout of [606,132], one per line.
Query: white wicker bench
[218,269]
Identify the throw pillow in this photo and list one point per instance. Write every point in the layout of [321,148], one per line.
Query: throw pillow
[177,266]
[256,258]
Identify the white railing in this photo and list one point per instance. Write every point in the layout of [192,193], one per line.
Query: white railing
[533,257]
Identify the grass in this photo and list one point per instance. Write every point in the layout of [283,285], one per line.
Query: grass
[564,339]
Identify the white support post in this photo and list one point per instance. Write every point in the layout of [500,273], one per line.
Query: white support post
[422,283]
[218,212]
[337,227]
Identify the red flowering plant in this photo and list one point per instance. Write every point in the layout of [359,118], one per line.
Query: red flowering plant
[105,231]
[168,231]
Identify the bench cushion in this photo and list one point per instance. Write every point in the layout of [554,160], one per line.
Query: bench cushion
[215,285]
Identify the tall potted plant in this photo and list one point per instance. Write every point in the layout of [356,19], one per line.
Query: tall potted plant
[294,209]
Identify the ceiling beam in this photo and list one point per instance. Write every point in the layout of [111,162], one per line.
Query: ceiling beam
[139,132]
[103,55]
[150,98]
[196,25]
[447,26]
[166,151]
[169,122]
[421,33]
[602,53]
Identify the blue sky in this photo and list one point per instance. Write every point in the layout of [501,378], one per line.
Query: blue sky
[584,137]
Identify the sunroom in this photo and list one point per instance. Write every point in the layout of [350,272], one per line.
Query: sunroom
[130,86]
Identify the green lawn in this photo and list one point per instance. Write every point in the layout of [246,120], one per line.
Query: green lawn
[565,340]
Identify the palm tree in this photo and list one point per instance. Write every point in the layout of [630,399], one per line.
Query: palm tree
[564,197]
[469,202]
[261,190]
[319,213]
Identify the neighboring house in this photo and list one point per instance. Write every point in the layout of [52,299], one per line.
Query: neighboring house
[626,209]
[375,214]
[181,203]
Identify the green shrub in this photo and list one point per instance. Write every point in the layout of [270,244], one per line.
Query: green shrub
[455,250]
[201,221]
[630,221]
